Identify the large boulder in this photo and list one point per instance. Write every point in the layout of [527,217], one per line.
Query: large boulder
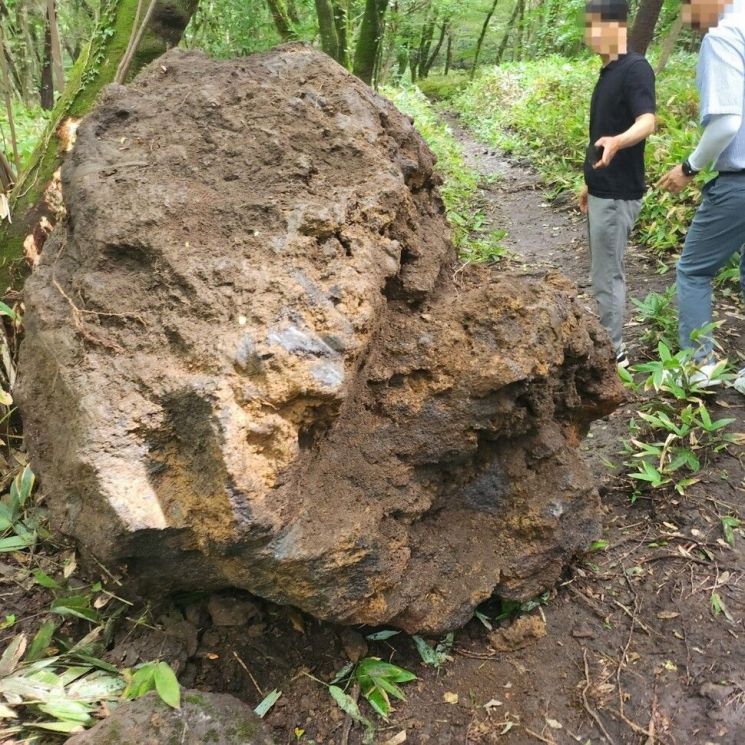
[250,361]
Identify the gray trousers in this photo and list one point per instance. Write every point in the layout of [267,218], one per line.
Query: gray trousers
[610,222]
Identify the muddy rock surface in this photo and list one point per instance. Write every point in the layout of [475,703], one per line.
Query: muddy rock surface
[251,360]
[202,718]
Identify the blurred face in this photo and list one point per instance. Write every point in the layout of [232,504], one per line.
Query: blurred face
[704,14]
[606,38]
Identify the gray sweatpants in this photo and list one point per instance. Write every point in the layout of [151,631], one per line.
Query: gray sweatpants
[610,222]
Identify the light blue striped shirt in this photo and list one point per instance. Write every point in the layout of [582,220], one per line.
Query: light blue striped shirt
[721,79]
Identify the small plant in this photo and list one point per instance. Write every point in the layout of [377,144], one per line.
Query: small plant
[677,440]
[18,529]
[679,375]
[378,681]
[730,524]
[435,657]
[154,676]
[658,314]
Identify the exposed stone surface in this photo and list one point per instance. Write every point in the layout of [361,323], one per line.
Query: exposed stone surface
[203,718]
[249,361]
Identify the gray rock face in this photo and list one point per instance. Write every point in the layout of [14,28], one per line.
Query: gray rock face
[212,718]
[249,362]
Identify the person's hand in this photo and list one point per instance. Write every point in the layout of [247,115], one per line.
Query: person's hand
[583,200]
[674,181]
[611,146]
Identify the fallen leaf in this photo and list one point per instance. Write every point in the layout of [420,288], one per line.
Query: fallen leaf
[396,739]
[554,724]
[296,619]
[12,655]
[666,615]
[450,698]
[489,705]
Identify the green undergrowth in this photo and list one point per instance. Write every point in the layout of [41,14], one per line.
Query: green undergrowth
[444,87]
[30,124]
[540,110]
[460,189]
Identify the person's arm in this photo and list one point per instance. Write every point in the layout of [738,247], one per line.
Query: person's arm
[644,126]
[722,82]
[720,130]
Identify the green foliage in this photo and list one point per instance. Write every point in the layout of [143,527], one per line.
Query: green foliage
[154,676]
[267,703]
[444,88]
[670,440]
[729,525]
[18,527]
[510,609]
[659,318]
[30,124]
[459,191]
[435,656]
[56,695]
[540,109]
[378,681]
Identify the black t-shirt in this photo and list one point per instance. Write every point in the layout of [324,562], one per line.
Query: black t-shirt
[625,91]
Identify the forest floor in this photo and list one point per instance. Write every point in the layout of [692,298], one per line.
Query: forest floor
[627,650]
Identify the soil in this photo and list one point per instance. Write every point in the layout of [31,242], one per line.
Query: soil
[626,650]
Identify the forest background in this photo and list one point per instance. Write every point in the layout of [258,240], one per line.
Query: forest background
[520,78]
[516,70]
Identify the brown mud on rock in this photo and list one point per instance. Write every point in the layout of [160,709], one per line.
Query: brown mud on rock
[249,361]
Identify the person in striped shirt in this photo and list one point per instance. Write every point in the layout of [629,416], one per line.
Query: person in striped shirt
[718,229]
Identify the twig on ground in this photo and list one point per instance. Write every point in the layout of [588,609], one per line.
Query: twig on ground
[652,718]
[539,737]
[596,718]
[248,672]
[634,619]
[348,721]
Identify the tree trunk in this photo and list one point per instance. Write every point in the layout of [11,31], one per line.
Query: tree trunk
[369,40]
[46,90]
[449,55]
[425,44]
[28,58]
[58,70]
[292,12]
[645,23]
[480,42]
[436,53]
[327,28]
[96,68]
[341,21]
[282,21]
[669,44]
[518,49]
[506,37]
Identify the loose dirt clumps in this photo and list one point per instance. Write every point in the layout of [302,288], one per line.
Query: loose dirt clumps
[251,362]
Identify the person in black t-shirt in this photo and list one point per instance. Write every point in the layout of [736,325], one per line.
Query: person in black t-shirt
[622,116]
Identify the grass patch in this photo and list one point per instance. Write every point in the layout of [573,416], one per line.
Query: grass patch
[459,191]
